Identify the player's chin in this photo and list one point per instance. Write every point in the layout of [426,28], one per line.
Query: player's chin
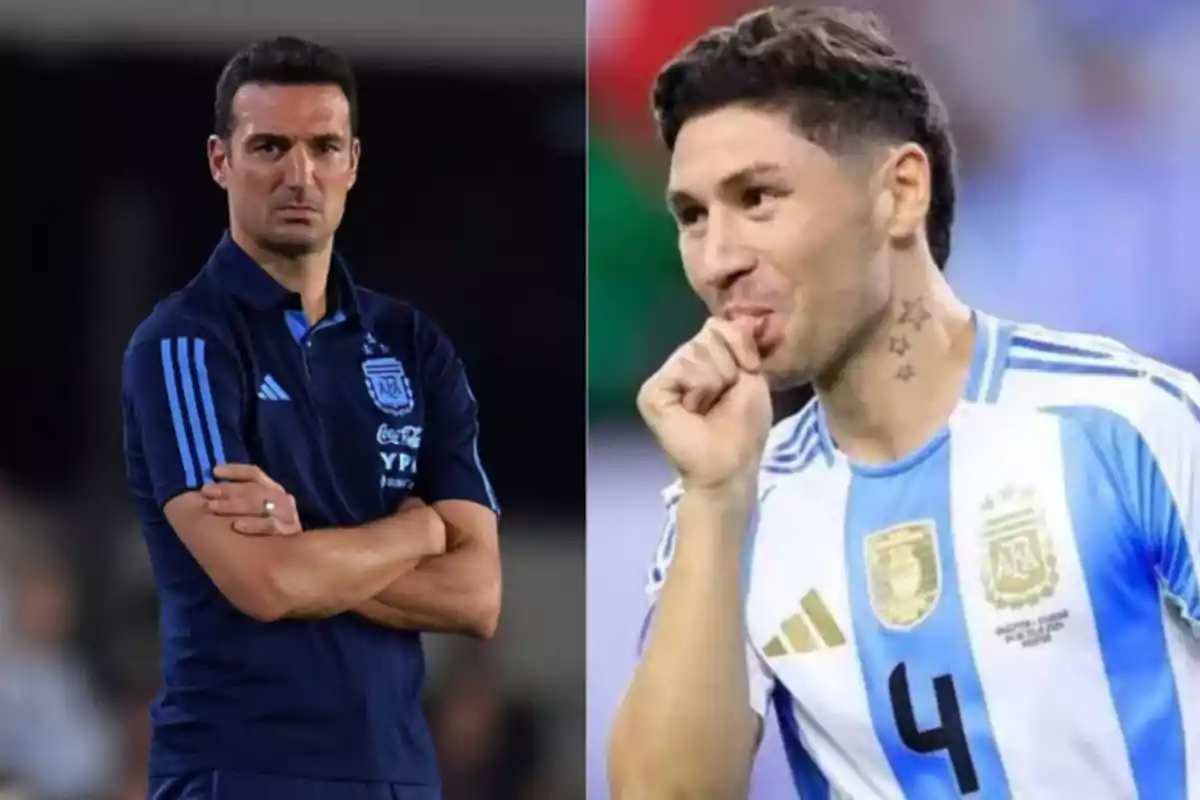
[783,375]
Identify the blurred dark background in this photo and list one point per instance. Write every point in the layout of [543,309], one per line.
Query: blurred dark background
[470,204]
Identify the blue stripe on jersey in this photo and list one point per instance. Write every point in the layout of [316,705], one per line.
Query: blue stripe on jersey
[666,547]
[1026,342]
[1004,336]
[790,449]
[824,440]
[487,484]
[181,437]
[811,783]
[938,646]
[992,338]
[805,458]
[193,410]
[645,631]
[796,451]
[210,410]
[1123,585]
[493,501]
[1073,367]
[1178,393]
[984,352]
[1110,370]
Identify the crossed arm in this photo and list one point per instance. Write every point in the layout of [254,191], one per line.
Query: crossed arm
[430,568]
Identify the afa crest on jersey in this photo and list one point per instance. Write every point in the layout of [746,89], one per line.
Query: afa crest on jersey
[1021,567]
[903,573]
[388,385]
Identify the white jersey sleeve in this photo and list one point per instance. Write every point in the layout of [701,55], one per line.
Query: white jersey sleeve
[761,682]
[1163,468]
[1143,417]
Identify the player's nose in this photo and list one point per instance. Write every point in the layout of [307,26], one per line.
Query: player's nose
[725,256]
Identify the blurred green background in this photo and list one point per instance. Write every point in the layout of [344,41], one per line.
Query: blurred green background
[640,306]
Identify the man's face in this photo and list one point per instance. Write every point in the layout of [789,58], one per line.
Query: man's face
[288,165]
[776,228]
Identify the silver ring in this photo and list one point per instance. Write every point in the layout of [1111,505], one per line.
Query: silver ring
[268,508]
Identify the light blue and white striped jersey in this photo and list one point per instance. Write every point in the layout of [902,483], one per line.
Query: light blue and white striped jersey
[1009,612]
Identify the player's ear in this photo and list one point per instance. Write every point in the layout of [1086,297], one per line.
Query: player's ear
[355,155]
[218,160]
[906,186]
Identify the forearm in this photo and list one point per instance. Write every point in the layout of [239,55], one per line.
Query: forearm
[325,572]
[458,592]
[686,728]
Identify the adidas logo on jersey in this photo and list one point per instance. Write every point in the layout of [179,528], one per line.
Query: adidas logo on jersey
[270,389]
[809,629]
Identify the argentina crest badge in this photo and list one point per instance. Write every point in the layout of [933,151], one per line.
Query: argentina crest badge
[1021,568]
[388,385]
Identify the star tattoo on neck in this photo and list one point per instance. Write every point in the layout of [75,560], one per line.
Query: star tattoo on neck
[898,345]
[914,313]
[905,372]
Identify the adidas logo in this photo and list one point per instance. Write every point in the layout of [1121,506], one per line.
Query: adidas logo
[271,390]
[809,629]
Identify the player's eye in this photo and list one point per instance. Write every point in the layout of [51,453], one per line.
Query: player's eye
[689,216]
[755,197]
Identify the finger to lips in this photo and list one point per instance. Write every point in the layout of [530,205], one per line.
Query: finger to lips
[738,338]
[711,350]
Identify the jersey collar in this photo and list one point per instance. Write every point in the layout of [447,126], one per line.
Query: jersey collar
[988,361]
[992,338]
[237,273]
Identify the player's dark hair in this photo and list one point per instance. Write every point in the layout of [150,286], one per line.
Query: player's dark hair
[284,61]
[837,75]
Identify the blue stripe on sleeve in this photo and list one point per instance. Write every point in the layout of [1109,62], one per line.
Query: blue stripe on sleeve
[811,783]
[210,412]
[487,485]
[181,438]
[189,397]
[1125,595]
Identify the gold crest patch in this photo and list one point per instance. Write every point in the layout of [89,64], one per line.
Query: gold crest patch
[1020,568]
[904,574]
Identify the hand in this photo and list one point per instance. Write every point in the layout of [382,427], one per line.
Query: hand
[710,408]
[246,496]
[434,528]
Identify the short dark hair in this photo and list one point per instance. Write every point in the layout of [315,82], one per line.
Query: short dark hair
[284,61]
[838,76]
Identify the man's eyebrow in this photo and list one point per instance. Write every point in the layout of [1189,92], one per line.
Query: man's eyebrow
[280,138]
[678,198]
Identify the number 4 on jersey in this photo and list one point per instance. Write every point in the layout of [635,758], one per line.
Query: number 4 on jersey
[949,735]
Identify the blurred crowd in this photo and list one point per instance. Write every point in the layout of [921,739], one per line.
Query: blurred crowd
[1077,124]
